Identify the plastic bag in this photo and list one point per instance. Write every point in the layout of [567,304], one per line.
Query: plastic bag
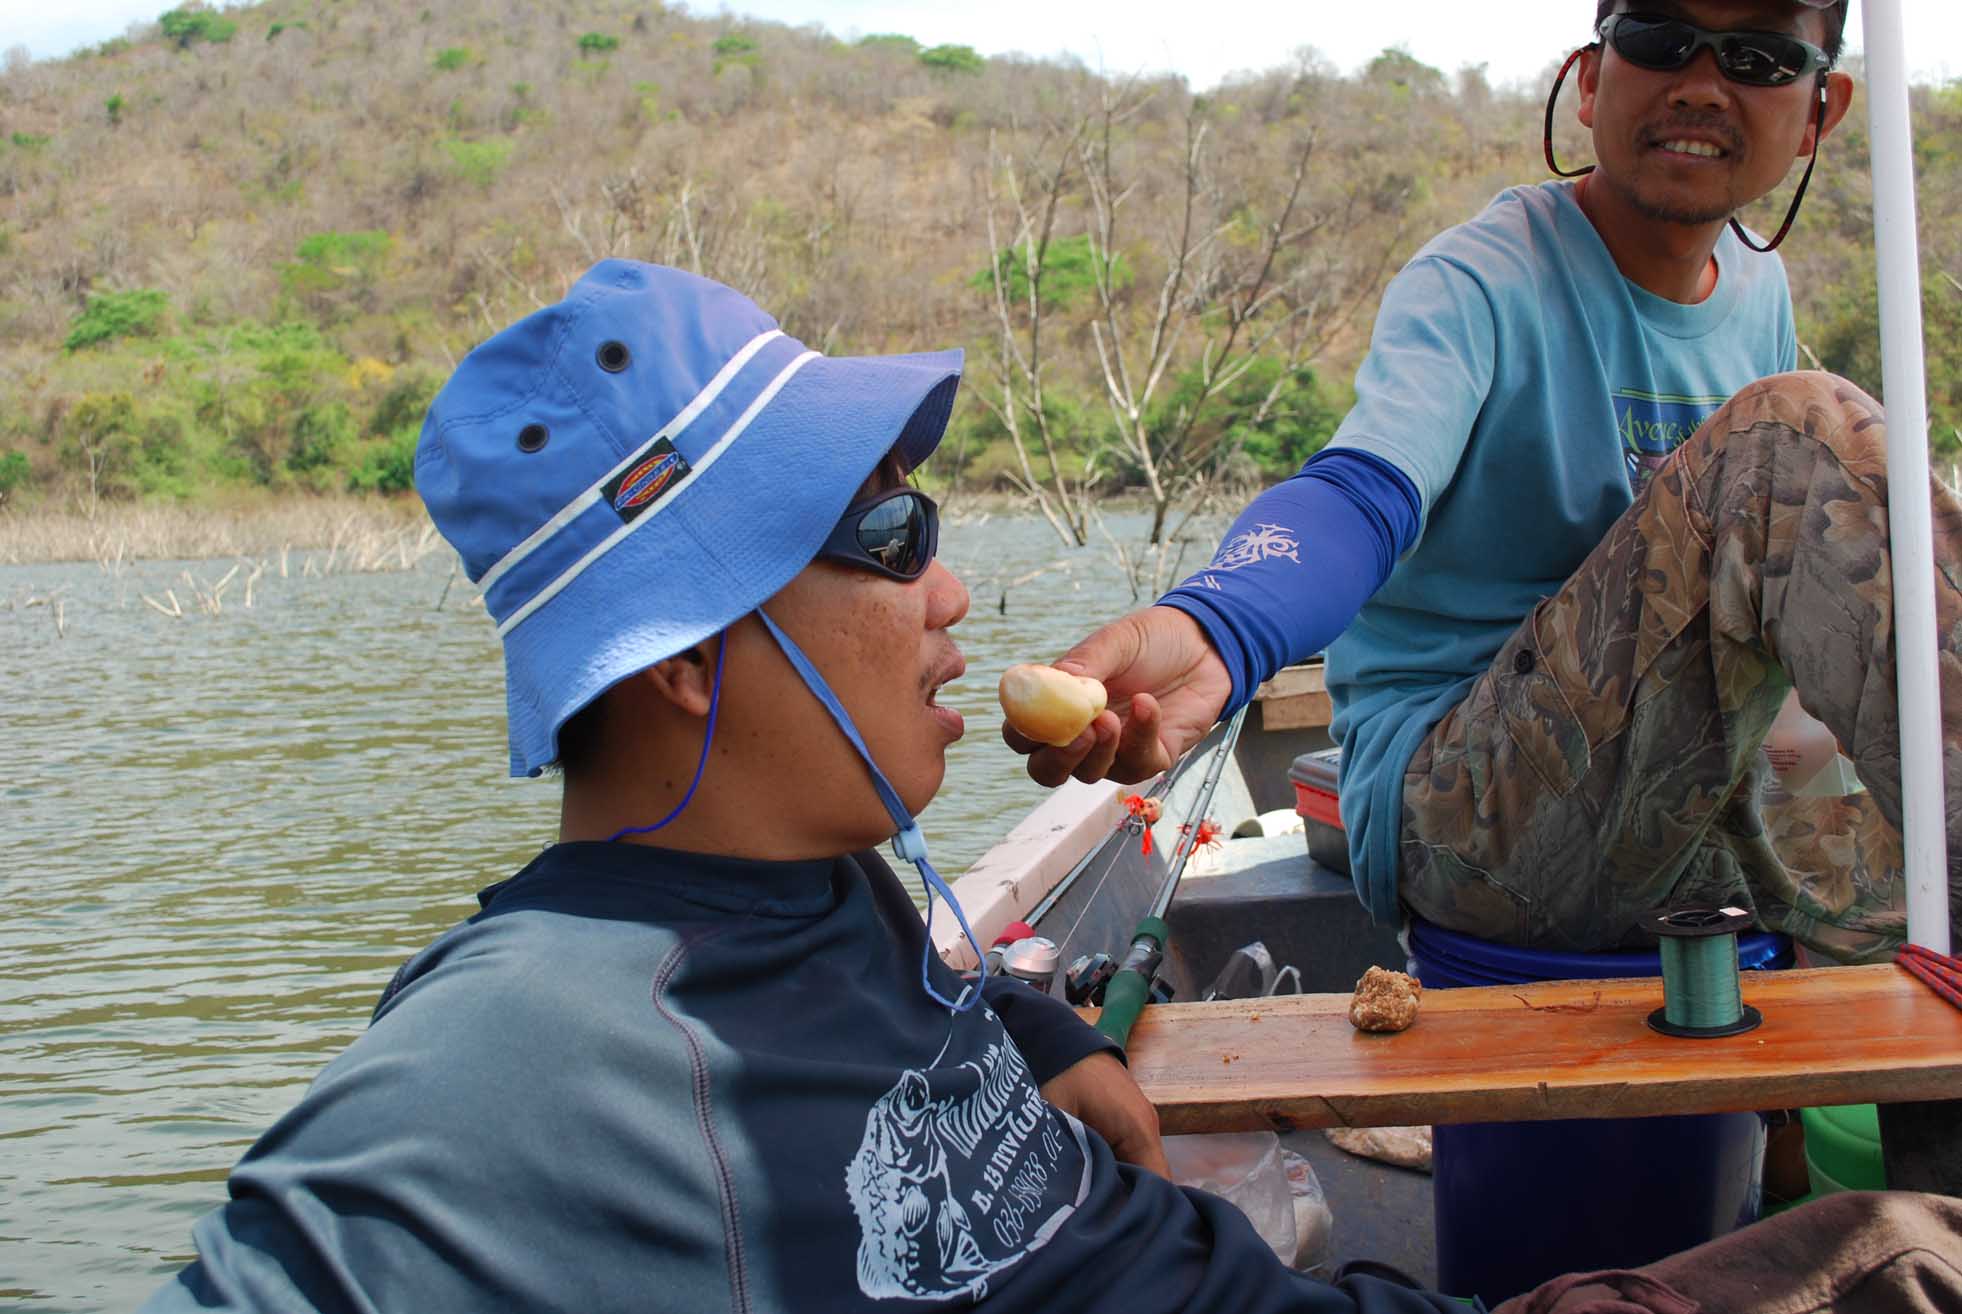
[1244,1168]
[1804,758]
[1313,1221]
[1250,972]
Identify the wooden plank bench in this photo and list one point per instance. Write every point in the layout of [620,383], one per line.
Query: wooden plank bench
[1559,1049]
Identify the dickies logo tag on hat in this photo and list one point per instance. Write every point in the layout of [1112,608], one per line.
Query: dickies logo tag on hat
[651,475]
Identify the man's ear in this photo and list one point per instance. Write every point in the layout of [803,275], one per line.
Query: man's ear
[1839,98]
[1589,81]
[686,679]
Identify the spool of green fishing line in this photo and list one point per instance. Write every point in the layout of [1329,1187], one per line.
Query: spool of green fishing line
[1701,993]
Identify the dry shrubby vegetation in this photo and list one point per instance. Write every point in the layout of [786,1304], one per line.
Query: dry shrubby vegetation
[241,248]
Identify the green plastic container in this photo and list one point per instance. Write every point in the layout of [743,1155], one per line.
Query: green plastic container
[1842,1148]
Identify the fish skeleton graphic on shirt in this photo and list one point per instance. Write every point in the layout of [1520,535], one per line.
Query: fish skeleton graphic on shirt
[953,1186]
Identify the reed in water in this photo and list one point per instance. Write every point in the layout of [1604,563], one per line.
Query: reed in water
[354,534]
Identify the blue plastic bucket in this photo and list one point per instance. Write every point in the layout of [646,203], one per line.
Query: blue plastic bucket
[1520,1202]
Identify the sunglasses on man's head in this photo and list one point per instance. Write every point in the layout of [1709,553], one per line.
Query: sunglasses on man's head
[894,534]
[1757,59]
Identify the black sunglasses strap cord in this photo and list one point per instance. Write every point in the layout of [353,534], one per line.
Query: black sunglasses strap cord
[1547,140]
[1819,124]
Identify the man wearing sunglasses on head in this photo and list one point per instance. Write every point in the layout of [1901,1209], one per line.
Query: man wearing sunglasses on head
[1581,536]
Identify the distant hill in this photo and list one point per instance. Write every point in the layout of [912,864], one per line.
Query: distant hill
[243,247]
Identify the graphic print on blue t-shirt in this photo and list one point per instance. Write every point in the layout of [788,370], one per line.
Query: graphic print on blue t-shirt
[1652,425]
[956,1180]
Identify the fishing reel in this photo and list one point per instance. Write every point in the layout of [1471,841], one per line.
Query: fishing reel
[1085,981]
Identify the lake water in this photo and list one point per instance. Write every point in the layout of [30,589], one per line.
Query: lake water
[223,832]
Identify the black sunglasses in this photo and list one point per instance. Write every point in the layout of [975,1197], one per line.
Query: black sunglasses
[894,534]
[1756,59]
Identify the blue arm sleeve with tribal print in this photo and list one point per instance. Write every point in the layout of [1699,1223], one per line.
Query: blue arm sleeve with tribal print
[1299,563]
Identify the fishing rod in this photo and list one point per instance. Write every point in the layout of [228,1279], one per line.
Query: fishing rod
[1055,896]
[1022,929]
[1130,989]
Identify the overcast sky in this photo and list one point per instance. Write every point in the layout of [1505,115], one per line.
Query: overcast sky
[1203,39]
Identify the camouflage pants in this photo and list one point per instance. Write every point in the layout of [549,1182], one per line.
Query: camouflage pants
[1608,762]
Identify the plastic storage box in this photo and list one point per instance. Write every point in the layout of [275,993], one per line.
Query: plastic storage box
[1318,802]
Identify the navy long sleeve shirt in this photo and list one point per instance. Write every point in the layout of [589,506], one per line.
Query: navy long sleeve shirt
[646,1080]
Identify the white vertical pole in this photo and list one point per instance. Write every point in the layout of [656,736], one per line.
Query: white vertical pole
[1903,378]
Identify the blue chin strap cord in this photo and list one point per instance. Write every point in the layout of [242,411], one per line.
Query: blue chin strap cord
[909,843]
[701,763]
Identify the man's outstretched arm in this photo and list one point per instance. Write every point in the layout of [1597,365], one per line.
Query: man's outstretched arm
[1299,563]
[1297,566]
[1306,555]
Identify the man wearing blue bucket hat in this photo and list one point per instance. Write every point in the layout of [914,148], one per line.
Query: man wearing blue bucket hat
[698,1054]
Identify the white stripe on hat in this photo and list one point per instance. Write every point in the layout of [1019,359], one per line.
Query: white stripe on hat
[668,499]
[573,509]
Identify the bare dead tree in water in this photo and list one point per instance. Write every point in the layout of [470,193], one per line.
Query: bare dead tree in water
[1035,185]
[1245,278]
[1248,266]
[1242,283]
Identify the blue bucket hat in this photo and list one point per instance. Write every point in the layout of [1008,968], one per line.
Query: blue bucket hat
[634,469]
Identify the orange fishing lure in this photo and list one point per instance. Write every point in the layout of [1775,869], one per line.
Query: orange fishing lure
[1206,836]
[1143,815]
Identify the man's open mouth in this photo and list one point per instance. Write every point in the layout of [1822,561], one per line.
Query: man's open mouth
[946,675]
